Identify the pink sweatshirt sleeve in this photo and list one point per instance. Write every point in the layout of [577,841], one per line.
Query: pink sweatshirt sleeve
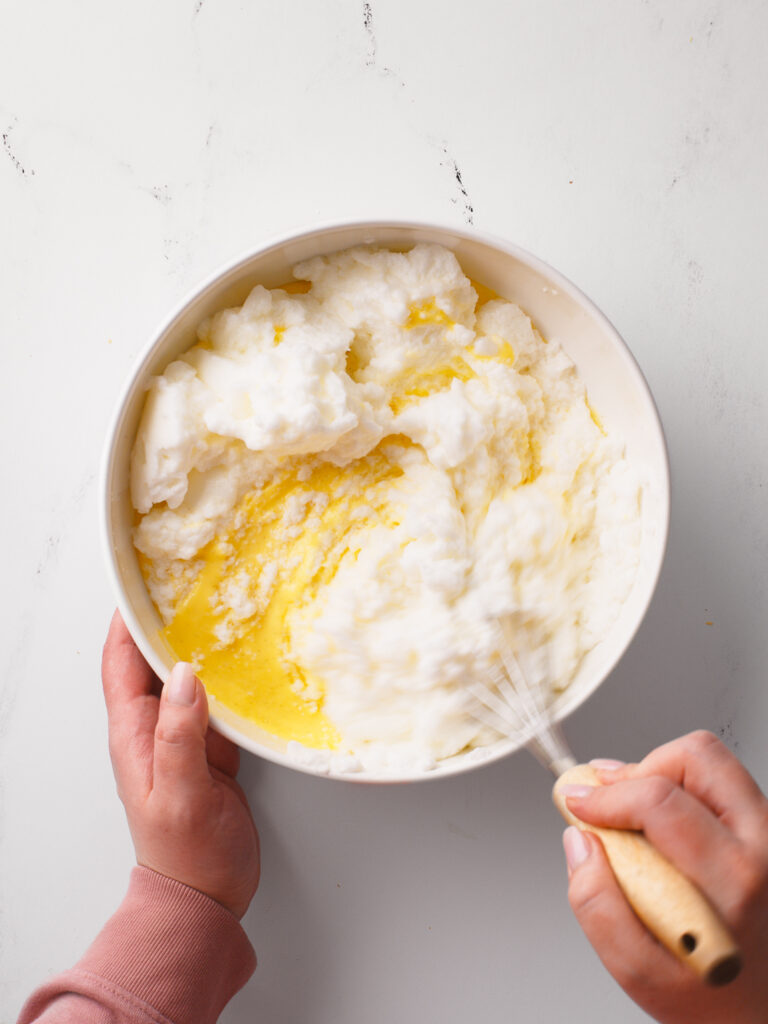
[169,955]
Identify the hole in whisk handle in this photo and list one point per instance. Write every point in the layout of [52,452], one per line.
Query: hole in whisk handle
[720,973]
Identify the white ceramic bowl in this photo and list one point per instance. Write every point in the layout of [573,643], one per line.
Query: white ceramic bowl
[616,388]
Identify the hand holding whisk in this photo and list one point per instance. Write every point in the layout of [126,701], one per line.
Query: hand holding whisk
[670,906]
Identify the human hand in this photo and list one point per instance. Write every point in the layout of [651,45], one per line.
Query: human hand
[188,817]
[698,805]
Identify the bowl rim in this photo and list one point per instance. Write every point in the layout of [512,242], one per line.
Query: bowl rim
[461,763]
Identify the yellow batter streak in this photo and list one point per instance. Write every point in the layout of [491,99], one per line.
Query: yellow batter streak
[246,667]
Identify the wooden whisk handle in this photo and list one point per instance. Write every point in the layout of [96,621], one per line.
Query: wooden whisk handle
[668,903]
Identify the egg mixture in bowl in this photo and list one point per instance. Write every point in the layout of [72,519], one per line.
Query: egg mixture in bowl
[343,481]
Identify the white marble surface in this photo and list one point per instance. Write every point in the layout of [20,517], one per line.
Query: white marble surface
[145,143]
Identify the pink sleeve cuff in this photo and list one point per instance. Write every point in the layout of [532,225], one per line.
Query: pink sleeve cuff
[169,951]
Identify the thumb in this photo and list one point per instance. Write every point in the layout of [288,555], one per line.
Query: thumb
[180,759]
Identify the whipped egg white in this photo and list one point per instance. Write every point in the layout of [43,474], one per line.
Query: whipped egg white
[344,484]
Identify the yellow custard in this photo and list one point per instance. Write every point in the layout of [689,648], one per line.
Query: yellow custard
[277,696]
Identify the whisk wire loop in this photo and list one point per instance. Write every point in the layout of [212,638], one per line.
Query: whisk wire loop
[513,707]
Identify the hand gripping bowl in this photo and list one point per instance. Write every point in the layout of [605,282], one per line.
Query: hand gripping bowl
[614,383]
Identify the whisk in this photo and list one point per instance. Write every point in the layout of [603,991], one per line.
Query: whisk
[669,905]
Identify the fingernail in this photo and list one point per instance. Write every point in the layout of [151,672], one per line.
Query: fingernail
[182,685]
[606,764]
[575,789]
[576,846]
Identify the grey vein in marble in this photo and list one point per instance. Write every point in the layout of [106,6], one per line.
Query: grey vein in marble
[23,171]
[13,668]
[371,60]
[65,515]
[49,552]
[468,209]
[161,193]
[16,653]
